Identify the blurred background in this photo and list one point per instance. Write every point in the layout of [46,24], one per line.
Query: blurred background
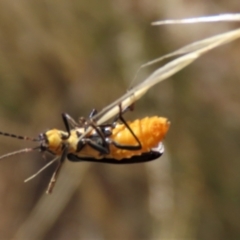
[73,56]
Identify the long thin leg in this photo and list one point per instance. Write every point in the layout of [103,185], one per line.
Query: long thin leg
[103,149]
[127,147]
[100,130]
[122,111]
[43,168]
[65,118]
[57,171]
[93,113]
[68,120]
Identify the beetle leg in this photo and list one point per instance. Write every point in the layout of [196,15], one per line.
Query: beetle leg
[57,171]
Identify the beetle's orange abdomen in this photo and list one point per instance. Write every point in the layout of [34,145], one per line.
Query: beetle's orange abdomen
[149,131]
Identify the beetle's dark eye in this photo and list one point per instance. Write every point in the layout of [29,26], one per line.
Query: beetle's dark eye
[42,137]
[44,142]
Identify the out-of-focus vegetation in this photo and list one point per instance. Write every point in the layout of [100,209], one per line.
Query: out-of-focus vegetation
[72,56]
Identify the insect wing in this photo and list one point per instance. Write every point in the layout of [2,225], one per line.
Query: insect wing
[155,153]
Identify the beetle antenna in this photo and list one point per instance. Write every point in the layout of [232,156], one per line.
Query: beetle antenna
[20,137]
[25,150]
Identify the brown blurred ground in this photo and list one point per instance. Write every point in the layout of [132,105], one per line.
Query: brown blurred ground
[72,56]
